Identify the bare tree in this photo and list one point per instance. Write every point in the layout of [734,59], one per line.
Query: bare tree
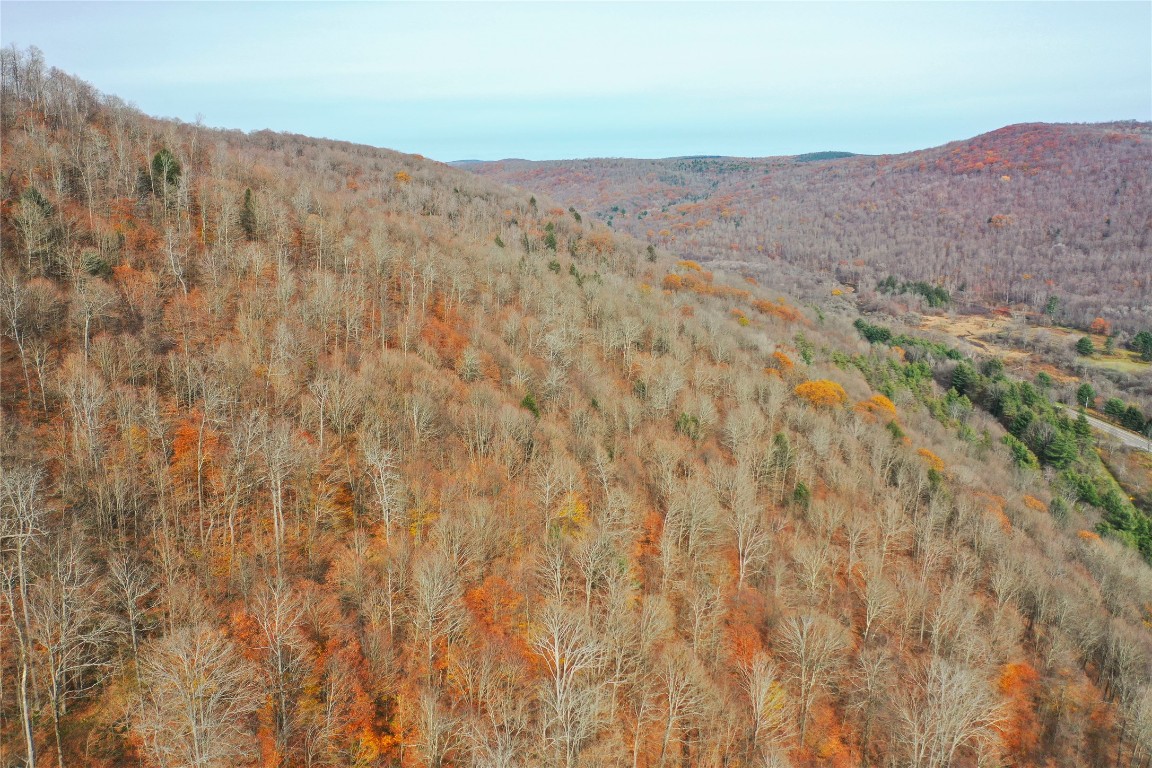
[278,613]
[69,625]
[944,708]
[744,519]
[383,470]
[878,595]
[681,680]
[33,218]
[196,698]
[438,729]
[94,299]
[813,646]
[570,653]
[869,678]
[21,526]
[1140,723]
[435,614]
[131,584]
[772,715]
[14,307]
[492,682]
[280,459]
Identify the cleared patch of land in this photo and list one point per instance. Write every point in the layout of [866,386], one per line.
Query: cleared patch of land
[1012,340]
[980,331]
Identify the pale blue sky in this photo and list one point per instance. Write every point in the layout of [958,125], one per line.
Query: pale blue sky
[651,79]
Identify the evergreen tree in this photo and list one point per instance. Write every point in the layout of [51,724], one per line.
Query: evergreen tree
[1114,408]
[1021,454]
[1085,395]
[993,367]
[1117,511]
[165,169]
[1060,451]
[1083,428]
[964,378]
[1133,418]
[248,216]
[1142,343]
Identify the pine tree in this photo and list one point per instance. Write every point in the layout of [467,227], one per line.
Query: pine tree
[248,216]
[1085,395]
[1060,451]
[165,169]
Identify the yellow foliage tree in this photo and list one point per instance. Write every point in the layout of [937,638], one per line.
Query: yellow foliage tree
[934,461]
[822,393]
[572,514]
[877,405]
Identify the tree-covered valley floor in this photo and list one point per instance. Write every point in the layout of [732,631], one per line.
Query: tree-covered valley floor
[317,454]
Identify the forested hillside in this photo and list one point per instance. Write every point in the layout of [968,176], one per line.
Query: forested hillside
[318,454]
[1011,217]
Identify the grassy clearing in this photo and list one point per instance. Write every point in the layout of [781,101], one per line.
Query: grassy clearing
[1127,362]
[984,333]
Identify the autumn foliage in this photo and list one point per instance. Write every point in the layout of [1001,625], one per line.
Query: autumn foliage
[822,393]
[879,406]
[1053,195]
[323,455]
[934,462]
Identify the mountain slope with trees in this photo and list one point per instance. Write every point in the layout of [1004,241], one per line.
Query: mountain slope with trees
[1016,217]
[316,454]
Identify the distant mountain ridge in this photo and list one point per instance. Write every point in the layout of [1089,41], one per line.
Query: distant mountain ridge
[809,157]
[1009,217]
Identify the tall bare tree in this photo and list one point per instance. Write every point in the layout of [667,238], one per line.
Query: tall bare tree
[813,645]
[197,696]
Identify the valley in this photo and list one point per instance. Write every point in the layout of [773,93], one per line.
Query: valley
[320,454]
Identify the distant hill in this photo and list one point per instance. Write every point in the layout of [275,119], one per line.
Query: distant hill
[815,156]
[1011,217]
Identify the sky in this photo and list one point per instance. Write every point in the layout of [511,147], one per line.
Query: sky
[552,80]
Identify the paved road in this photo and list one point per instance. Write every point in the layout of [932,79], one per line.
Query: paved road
[1130,439]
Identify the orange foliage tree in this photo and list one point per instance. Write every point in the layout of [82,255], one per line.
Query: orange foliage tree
[822,393]
[1020,729]
[877,405]
[934,461]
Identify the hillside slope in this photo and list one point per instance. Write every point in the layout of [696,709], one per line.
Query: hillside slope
[1011,217]
[322,455]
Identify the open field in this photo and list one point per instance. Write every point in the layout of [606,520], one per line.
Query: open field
[1123,360]
[980,331]
[1127,362]
[990,334]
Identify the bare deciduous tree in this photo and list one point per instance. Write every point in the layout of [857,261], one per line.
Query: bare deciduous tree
[70,627]
[772,716]
[813,646]
[195,701]
[945,708]
[570,653]
[21,526]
